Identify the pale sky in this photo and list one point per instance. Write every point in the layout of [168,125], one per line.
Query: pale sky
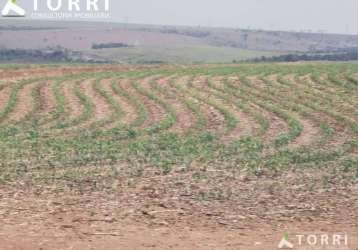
[339,16]
[334,16]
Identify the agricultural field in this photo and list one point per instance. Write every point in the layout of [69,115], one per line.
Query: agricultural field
[34,41]
[178,54]
[205,156]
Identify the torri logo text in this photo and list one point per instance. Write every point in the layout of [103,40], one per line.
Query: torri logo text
[57,8]
[338,241]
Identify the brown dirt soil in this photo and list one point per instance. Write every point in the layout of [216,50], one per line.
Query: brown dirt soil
[24,103]
[256,81]
[73,104]
[183,80]
[341,134]
[310,133]
[126,85]
[244,127]
[155,214]
[276,127]
[246,124]
[255,237]
[334,87]
[185,117]
[49,71]
[101,109]
[331,97]
[47,101]
[155,112]
[277,124]
[344,100]
[215,120]
[4,96]
[130,113]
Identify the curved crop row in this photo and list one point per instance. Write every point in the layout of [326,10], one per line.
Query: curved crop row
[272,116]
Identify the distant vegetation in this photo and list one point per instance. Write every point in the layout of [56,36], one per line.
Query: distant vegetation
[110,45]
[345,55]
[190,32]
[129,43]
[48,55]
[57,55]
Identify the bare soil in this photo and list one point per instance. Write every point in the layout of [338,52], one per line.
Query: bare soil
[73,105]
[24,103]
[101,108]
[185,117]
[310,133]
[4,96]
[155,215]
[245,125]
[155,111]
[215,120]
[129,112]
[47,102]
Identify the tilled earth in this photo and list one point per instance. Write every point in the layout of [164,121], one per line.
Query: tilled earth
[154,214]
[178,157]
